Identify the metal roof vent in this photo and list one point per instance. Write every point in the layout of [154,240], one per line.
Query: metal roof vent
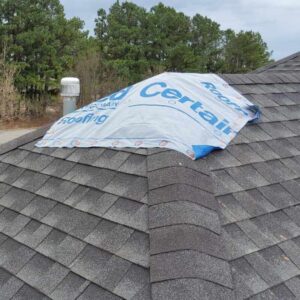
[70,90]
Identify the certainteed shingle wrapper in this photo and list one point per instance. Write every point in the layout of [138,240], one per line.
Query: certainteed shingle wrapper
[152,224]
[188,112]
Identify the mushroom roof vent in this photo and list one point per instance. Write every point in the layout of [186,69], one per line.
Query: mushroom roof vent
[70,87]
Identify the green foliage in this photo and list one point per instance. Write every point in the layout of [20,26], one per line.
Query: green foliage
[245,51]
[207,43]
[122,36]
[40,40]
[130,44]
[168,36]
[137,43]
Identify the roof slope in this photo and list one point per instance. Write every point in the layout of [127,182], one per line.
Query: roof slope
[290,63]
[73,223]
[257,184]
[152,224]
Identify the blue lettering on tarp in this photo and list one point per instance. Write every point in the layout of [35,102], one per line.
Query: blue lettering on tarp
[120,94]
[152,90]
[213,89]
[145,89]
[108,102]
[83,119]
[160,88]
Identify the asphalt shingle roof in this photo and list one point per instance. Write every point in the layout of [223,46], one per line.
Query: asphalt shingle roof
[152,224]
[257,184]
[74,223]
[288,64]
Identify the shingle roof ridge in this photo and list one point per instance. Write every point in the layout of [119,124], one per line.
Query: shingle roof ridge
[277,62]
[186,242]
[24,139]
[261,78]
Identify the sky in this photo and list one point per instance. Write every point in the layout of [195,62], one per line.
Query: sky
[278,21]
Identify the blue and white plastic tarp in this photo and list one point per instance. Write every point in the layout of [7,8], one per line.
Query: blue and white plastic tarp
[191,113]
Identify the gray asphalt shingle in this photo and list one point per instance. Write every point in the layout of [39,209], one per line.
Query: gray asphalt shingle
[247,281]
[38,207]
[13,255]
[189,264]
[15,157]
[144,224]
[30,181]
[175,175]
[237,243]
[57,189]
[186,237]
[58,167]
[16,199]
[10,173]
[27,292]
[186,289]
[183,212]
[90,262]
[179,192]
[95,292]
[9,285]
[43,273]
[90,176]
[60,247]
[33,234]
[129,213]
[134,281]
[11,222]
[36,162]
[109,236]
[253,202]
[70,288]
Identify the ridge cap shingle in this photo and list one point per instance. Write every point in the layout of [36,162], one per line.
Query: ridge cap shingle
[176,228]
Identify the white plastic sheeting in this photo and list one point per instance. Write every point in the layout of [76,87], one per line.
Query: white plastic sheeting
[187,112]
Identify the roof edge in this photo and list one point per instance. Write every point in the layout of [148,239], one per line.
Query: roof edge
[24,139]
[262,78]
[275,63]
